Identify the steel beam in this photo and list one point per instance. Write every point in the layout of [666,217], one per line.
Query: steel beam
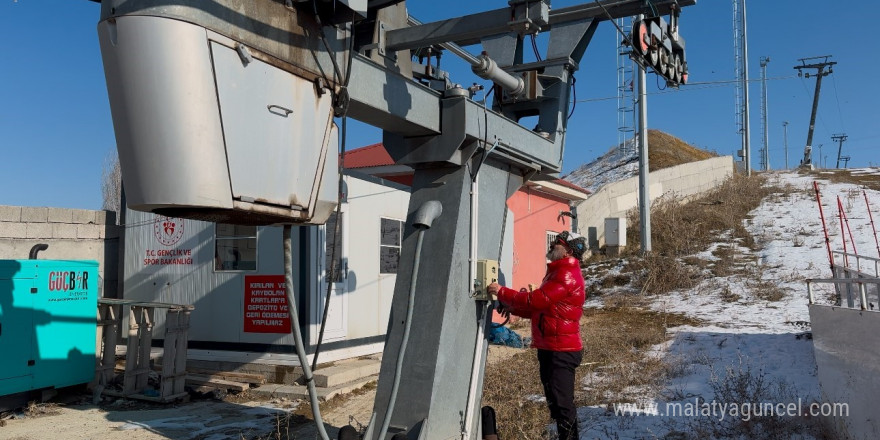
[470,29]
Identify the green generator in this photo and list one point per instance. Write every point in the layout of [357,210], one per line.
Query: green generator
[48,311]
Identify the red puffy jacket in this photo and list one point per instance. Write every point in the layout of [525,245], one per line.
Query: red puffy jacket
[555,308]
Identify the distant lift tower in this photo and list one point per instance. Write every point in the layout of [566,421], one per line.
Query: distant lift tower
[626,110]
[741,63]
[820,73]
[765,148]
[840,138]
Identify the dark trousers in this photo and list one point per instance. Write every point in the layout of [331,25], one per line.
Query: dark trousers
[557,376]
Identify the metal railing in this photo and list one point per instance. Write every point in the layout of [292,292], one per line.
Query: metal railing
[867,288]
[845,259]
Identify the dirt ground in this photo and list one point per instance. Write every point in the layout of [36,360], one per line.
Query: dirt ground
[242,417]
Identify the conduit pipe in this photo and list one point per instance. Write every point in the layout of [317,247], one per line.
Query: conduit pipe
[297,336]
[422,220]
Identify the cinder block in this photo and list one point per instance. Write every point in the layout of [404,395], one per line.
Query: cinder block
[34,215]
[88,231]
[83,217]
[13,230]
[39,230]
[63,230]
[105,217]
[60,215]
[10,213]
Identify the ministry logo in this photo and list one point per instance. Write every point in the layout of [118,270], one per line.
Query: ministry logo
[168,231]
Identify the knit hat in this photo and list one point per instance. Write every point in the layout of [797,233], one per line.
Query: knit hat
[575,243]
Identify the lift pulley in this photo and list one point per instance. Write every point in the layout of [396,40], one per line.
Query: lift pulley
[658,45]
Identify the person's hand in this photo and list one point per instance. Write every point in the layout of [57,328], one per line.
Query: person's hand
[493,290]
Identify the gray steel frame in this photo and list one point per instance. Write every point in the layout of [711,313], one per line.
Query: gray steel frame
[446,138]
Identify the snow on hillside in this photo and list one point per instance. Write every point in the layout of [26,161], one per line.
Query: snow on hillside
[619,163]
[744,335]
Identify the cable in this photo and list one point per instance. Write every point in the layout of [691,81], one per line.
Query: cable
[657,77]
[535,48]
[343,96]
[324,40]
[837,97]
[574,96]
[297,336]
[689,87]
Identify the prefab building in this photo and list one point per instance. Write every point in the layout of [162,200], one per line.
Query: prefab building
[233,275]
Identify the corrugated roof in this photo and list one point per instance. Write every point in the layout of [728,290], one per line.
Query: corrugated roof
[566,183]
[369,156]
[376,156]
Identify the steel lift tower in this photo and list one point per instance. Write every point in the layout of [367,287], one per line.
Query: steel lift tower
[840,138]
[765,147]
[626,120]
[741,70]
[820,67]
[224,111]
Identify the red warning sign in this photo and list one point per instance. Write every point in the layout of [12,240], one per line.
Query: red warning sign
[265,304]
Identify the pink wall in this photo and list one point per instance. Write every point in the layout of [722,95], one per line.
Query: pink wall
[534,214]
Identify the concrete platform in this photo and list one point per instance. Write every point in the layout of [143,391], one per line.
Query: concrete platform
[302,392]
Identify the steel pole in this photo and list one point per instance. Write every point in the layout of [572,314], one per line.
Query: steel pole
[765,112]
[785,141]
[644,197]
[746,128]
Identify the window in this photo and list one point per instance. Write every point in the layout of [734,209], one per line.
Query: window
[333,248]
[551,237]
[390,236]
[235,247]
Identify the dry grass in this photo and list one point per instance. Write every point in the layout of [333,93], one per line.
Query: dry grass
[668,151]
[871,181]
[744,384]
[681,228]
[616,363]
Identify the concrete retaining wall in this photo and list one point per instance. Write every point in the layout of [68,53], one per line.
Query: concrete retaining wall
[615,199]
[72,234]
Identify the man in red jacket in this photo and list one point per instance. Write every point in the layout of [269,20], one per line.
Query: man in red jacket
[555,309]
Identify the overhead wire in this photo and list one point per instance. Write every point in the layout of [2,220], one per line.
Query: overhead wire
[688,87]
[837,97]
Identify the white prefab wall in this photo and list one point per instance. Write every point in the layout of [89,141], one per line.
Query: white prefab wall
[72,234]
[218,296]
[615,199]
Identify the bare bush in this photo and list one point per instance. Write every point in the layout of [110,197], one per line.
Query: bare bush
[749,389]
[111,183]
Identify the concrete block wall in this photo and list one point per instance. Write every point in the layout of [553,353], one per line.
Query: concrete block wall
[615,199]
[72,234]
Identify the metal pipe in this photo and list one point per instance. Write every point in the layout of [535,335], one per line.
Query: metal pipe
[297,336]
[472,275]
[824,227]
[644,197]
[422,220]
[482,66]
[488,69]
[863,297]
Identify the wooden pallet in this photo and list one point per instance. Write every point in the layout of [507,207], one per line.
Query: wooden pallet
[140,339]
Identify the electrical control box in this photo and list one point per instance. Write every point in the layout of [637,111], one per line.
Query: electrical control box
[487,273]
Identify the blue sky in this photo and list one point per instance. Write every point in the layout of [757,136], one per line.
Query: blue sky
[55,126]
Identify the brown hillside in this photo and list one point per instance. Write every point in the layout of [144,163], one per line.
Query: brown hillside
[665,150]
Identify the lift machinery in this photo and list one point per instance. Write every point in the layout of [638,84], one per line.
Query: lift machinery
[224,110]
